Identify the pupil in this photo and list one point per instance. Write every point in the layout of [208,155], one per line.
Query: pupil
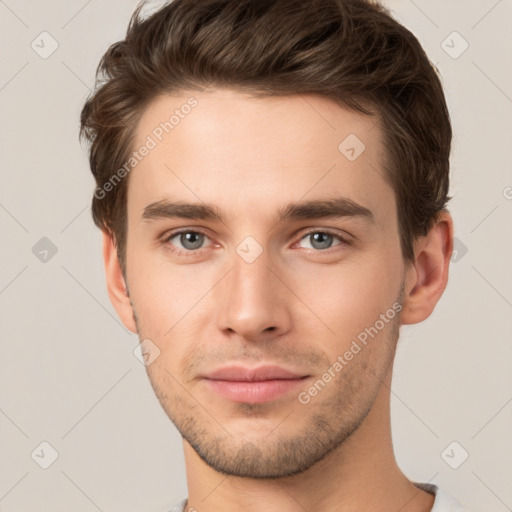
[321,240]
[191,240]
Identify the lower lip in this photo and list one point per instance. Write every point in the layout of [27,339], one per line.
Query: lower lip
[255,391]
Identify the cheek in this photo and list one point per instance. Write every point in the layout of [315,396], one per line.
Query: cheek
[163,294]
[351,296]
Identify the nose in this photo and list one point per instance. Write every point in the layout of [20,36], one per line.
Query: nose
[252,301]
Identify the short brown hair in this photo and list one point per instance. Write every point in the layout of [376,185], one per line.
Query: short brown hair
[350,51]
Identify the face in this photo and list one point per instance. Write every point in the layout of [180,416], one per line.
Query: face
[260,236]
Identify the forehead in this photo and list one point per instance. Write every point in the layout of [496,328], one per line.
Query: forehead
[220,144]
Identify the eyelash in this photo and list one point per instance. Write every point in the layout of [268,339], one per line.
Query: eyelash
[183,252]
[342,240]
[194,252]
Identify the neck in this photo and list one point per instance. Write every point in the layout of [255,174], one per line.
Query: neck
[361,474]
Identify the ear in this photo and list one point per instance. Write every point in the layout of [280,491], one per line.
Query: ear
[427,276]
[116,286]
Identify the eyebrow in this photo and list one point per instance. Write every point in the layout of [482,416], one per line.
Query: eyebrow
[319,209]
[314,209]
[167,210]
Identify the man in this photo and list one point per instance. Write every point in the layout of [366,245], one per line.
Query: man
[272,180]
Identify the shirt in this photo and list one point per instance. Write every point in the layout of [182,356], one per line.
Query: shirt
[443,501]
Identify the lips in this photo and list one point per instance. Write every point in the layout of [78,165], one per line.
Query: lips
[239,373]
[253,385]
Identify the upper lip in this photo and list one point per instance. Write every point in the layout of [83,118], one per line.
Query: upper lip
[239,373]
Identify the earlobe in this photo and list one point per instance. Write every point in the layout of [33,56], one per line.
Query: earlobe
[427,276]
[116,286]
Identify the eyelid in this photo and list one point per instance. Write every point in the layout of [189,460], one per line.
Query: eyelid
[171,234]
[344,238]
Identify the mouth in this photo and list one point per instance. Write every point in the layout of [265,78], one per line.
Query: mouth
[254,391]
[256,385]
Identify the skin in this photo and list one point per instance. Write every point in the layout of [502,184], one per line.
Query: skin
[296,305]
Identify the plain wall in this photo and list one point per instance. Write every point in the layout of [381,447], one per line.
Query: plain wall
[68,375]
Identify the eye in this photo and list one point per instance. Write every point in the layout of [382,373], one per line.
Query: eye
[320,240]
[187,240]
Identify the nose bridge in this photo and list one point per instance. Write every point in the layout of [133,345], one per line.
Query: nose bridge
[251,301]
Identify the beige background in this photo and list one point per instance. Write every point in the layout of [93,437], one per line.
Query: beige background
[68,375]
